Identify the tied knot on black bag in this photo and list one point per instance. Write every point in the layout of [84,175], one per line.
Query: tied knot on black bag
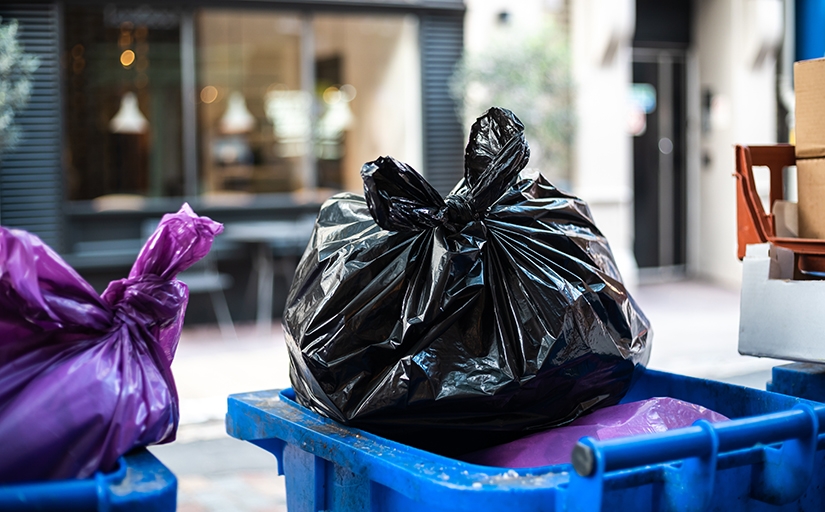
[457,212]
[400,199]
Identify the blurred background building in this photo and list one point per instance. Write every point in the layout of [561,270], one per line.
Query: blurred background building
[250,111]
[661,93]
[259,111]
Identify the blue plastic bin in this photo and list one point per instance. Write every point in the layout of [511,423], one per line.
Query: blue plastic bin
[140,483]
[805,380]
[768,458]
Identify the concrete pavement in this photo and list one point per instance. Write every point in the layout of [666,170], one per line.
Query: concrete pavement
[215,472]
[696,331]
[695,326]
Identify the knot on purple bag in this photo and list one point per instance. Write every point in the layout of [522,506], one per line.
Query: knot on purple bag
[457,212]
[149,299]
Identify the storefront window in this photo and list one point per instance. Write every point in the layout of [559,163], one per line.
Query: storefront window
[285,101]
[123,101]
[368,92]
[249,74]
[290,101]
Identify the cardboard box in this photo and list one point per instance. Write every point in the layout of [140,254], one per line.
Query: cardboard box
[809,85]
[810,176]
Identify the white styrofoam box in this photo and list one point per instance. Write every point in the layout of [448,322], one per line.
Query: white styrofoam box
[780,317]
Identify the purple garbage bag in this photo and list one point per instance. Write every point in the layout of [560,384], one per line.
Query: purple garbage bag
[86,377]
[623,420]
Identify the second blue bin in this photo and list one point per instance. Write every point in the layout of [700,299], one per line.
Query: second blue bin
[140,483]
[768,458]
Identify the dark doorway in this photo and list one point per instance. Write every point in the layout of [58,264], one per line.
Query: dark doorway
[659,125]
[659,162]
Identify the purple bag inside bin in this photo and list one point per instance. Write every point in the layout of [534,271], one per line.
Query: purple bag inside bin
[623,420]
[86,377]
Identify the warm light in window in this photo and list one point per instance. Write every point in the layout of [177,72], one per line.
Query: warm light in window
[332,95]
[209,94]
[125,39]
[127,58]
[348,92]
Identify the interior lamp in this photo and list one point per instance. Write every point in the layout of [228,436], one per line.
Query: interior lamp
[129,118]
[237,118]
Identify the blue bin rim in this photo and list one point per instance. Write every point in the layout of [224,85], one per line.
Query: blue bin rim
[771,427]
[316,422]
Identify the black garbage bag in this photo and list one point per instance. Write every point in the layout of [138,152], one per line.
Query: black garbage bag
[456,324]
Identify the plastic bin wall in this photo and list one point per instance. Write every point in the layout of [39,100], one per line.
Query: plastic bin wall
[140,484]
[770,459]
[805,380]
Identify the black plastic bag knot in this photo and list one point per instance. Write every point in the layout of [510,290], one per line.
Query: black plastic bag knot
[457,212]
[400,199]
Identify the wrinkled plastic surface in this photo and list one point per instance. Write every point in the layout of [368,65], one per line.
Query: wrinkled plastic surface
[455,324]
[555,446]
[86,377]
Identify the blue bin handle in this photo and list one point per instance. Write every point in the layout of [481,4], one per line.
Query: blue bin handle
[783,475]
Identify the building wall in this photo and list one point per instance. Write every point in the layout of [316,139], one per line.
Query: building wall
[601,34]
[482,21]
[729,34]
[384,86]
[728,37]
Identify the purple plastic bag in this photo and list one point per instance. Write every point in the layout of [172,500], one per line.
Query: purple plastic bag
[631,419]
[84,378]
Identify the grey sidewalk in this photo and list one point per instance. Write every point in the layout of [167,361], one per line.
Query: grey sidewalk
[695,326]
[216,472]
[696,332]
